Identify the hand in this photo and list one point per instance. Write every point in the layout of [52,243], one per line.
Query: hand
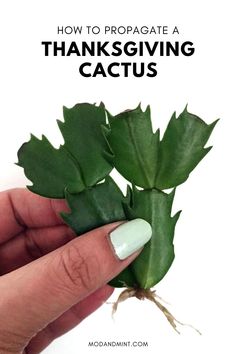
[50,280]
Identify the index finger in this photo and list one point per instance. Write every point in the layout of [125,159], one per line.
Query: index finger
[20,209]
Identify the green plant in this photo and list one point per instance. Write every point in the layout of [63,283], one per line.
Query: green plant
[92,148]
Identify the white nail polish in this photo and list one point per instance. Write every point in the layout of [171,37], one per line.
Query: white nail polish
[130,237]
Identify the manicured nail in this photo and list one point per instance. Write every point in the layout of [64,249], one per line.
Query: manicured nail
[130,237]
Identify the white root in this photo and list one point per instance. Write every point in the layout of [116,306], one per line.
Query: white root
[150,295]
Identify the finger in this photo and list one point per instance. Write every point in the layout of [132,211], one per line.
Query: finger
[22,209]
[32,244]
[69,320]
[54,283]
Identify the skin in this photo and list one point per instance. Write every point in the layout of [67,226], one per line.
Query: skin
[50,281]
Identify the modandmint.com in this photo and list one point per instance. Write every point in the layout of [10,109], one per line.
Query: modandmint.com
[117,344]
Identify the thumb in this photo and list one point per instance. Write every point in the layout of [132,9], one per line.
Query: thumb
[36,294]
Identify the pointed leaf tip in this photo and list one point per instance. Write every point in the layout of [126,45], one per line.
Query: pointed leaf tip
[147,110]
[65,109]
[186,108]
[213,124]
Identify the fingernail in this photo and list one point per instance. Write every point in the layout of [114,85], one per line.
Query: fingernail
[130,237]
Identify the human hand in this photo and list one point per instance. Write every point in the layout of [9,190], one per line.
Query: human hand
[50,280]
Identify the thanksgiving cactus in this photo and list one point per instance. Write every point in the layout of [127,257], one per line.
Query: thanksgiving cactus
[94,143]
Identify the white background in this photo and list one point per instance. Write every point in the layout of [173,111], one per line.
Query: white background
[200,284]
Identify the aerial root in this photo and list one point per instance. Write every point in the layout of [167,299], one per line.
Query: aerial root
[150,295]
